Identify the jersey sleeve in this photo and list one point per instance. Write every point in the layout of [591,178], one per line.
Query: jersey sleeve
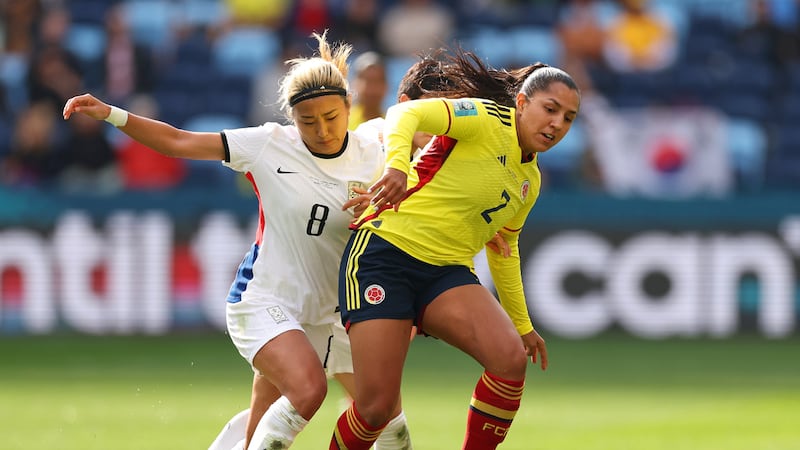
[460,119]
[244,146]
[507,275]
[406,118]
[372,128]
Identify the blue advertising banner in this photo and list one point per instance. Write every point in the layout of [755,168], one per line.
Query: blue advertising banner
[153,263]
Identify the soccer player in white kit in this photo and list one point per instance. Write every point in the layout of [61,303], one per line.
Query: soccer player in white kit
[282,309]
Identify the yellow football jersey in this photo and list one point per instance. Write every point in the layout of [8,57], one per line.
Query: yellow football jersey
[465,186]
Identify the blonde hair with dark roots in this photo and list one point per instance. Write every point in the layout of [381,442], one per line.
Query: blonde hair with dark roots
[326,69]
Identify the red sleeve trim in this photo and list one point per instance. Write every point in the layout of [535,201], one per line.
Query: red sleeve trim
[449,116]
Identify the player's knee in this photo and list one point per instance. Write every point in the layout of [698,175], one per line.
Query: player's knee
[307,395]
[376,411]
[511,361]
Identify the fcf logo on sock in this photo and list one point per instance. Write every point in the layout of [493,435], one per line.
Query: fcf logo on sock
[499,431]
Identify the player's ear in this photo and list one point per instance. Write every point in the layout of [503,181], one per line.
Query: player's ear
[521,100]
[403,98]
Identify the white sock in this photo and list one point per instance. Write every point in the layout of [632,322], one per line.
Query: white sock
[395,436]
[278,426]
[232,432]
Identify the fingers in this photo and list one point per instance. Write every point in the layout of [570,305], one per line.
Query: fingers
[542,350]
[506,249]
[389,189]
[499,245]
[352,202]
[86,104]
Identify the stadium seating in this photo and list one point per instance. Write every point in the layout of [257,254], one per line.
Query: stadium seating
[201,13]
[245,51]
[151,22]
[747,147]
[88,11]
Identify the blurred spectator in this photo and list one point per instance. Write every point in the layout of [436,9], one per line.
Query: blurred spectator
[19,20]
[32,160]
[506,13]
[141,167]
[265,106]
[639,40]
[88,160]
[412,26]
[306,17]
[54,73]
[581,32]
[369,88]
[127,66]
[357,24]
[763,38]
[271,14]
[53,26]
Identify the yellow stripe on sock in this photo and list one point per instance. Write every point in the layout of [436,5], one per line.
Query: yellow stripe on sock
[493,410]
[359,429]
[502,389]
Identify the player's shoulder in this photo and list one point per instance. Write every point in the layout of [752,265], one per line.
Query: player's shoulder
[269,131]
[367,137]
[372,128]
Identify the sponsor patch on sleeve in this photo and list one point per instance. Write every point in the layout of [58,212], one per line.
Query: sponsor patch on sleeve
[464,108]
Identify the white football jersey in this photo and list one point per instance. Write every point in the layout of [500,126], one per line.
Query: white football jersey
[302,230]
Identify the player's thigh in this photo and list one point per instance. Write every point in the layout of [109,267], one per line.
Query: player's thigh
[472,320]
[379,349]
[332,345]
[289,362]
[254,322]
[348,383]
[274,343]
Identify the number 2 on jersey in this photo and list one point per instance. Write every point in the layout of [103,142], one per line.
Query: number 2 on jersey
[486,212]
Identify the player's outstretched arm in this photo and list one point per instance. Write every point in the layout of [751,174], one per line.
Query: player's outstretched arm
[159,136]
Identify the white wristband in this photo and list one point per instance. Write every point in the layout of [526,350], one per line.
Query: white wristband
[117,117]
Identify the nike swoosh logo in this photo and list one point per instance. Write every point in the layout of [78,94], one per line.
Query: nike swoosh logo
[280,170]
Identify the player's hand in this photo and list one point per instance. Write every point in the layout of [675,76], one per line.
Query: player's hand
[359,203]
[535,348]
[86,104]
[390,189]
[499,245]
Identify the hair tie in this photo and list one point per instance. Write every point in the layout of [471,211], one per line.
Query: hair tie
[316,91]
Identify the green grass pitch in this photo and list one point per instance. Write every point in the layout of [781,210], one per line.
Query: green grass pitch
[608,393]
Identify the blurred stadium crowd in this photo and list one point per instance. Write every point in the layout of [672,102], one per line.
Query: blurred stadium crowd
[690,97]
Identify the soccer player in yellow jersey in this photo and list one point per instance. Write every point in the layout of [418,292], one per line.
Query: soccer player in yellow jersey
[410,260]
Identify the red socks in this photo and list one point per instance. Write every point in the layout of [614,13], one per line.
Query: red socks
[353,433]
[493,406]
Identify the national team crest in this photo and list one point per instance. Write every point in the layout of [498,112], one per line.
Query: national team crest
[277,314]
[354,184]
[374,294]
[525,189]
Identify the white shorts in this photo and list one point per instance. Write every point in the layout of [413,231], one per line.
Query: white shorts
[252,324]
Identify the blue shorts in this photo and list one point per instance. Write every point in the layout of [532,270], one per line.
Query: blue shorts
[379,281]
